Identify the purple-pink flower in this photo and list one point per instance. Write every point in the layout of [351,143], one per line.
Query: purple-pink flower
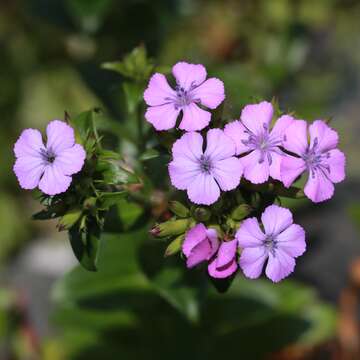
[202,244]
[260,145]
[279,243]
[224,263]
[321,159]
[201,173]
[48,167]
[192,89]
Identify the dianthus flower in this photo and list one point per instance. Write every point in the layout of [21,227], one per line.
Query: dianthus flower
[202,244]
[48,167]
[280,243]
[201,173]
[260,145]
[321,159]
[192,89]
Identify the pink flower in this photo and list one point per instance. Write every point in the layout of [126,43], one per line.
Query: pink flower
[280,243]
[321,159]
[201,173]
[191,89]
[253,137]
[224,263]
[202,244]
[49,167]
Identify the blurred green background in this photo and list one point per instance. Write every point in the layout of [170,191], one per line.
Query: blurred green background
[305,53]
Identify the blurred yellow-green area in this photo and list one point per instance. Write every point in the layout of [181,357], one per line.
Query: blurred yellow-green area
[304,53]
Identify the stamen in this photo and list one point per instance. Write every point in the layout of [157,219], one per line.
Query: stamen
[205,164]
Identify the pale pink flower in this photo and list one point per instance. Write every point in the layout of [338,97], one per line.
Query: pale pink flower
[192,89]
[202,244]
[320,158]
[48,167]
[204,173]
[279,244]
[259,145]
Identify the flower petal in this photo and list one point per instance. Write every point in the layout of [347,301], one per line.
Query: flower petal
[29,144]
[60,136]
[252,261]
[257,117]
[276,219]
[162,117]
[295,137]
[210,93]
[211,234]
[222,272]
[193,237]
[54,181]
[183,172]
[194,118]
[250,234]
[219,146]
[281,124]
[237,132]
[227,173]
[199,253]
[327,138]
[275,166]
[256,167]
[188,75]
[279,266]
[28,170]
[336,163]
[158,91]
[189,146]
[226,253]
[318,187]
[290,168]
[71,161]
[292,240]
[203,190]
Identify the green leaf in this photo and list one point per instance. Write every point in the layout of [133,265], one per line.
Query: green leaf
[69,219]
[51,212]
[86,244]
[109,199]
[135,65]
[114,174]
[129,212]
[109,155]
[149,154]
[133,95]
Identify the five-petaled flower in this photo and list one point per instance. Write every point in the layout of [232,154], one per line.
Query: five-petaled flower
[259,145]
[48,167]
[321,159]
[201,173]
[192,89]
[280,243]
[202,244]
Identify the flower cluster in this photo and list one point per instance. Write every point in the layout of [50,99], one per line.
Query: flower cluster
[233,176]
[255,150]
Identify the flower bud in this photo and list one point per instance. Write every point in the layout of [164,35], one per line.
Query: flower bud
[241,212]
[170,228]
[175,246]
[179,209]
[202,214]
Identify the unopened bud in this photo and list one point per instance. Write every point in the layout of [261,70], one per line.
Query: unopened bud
[179,209]
[241,212]
[170,228]
[202,214]
[175,246]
